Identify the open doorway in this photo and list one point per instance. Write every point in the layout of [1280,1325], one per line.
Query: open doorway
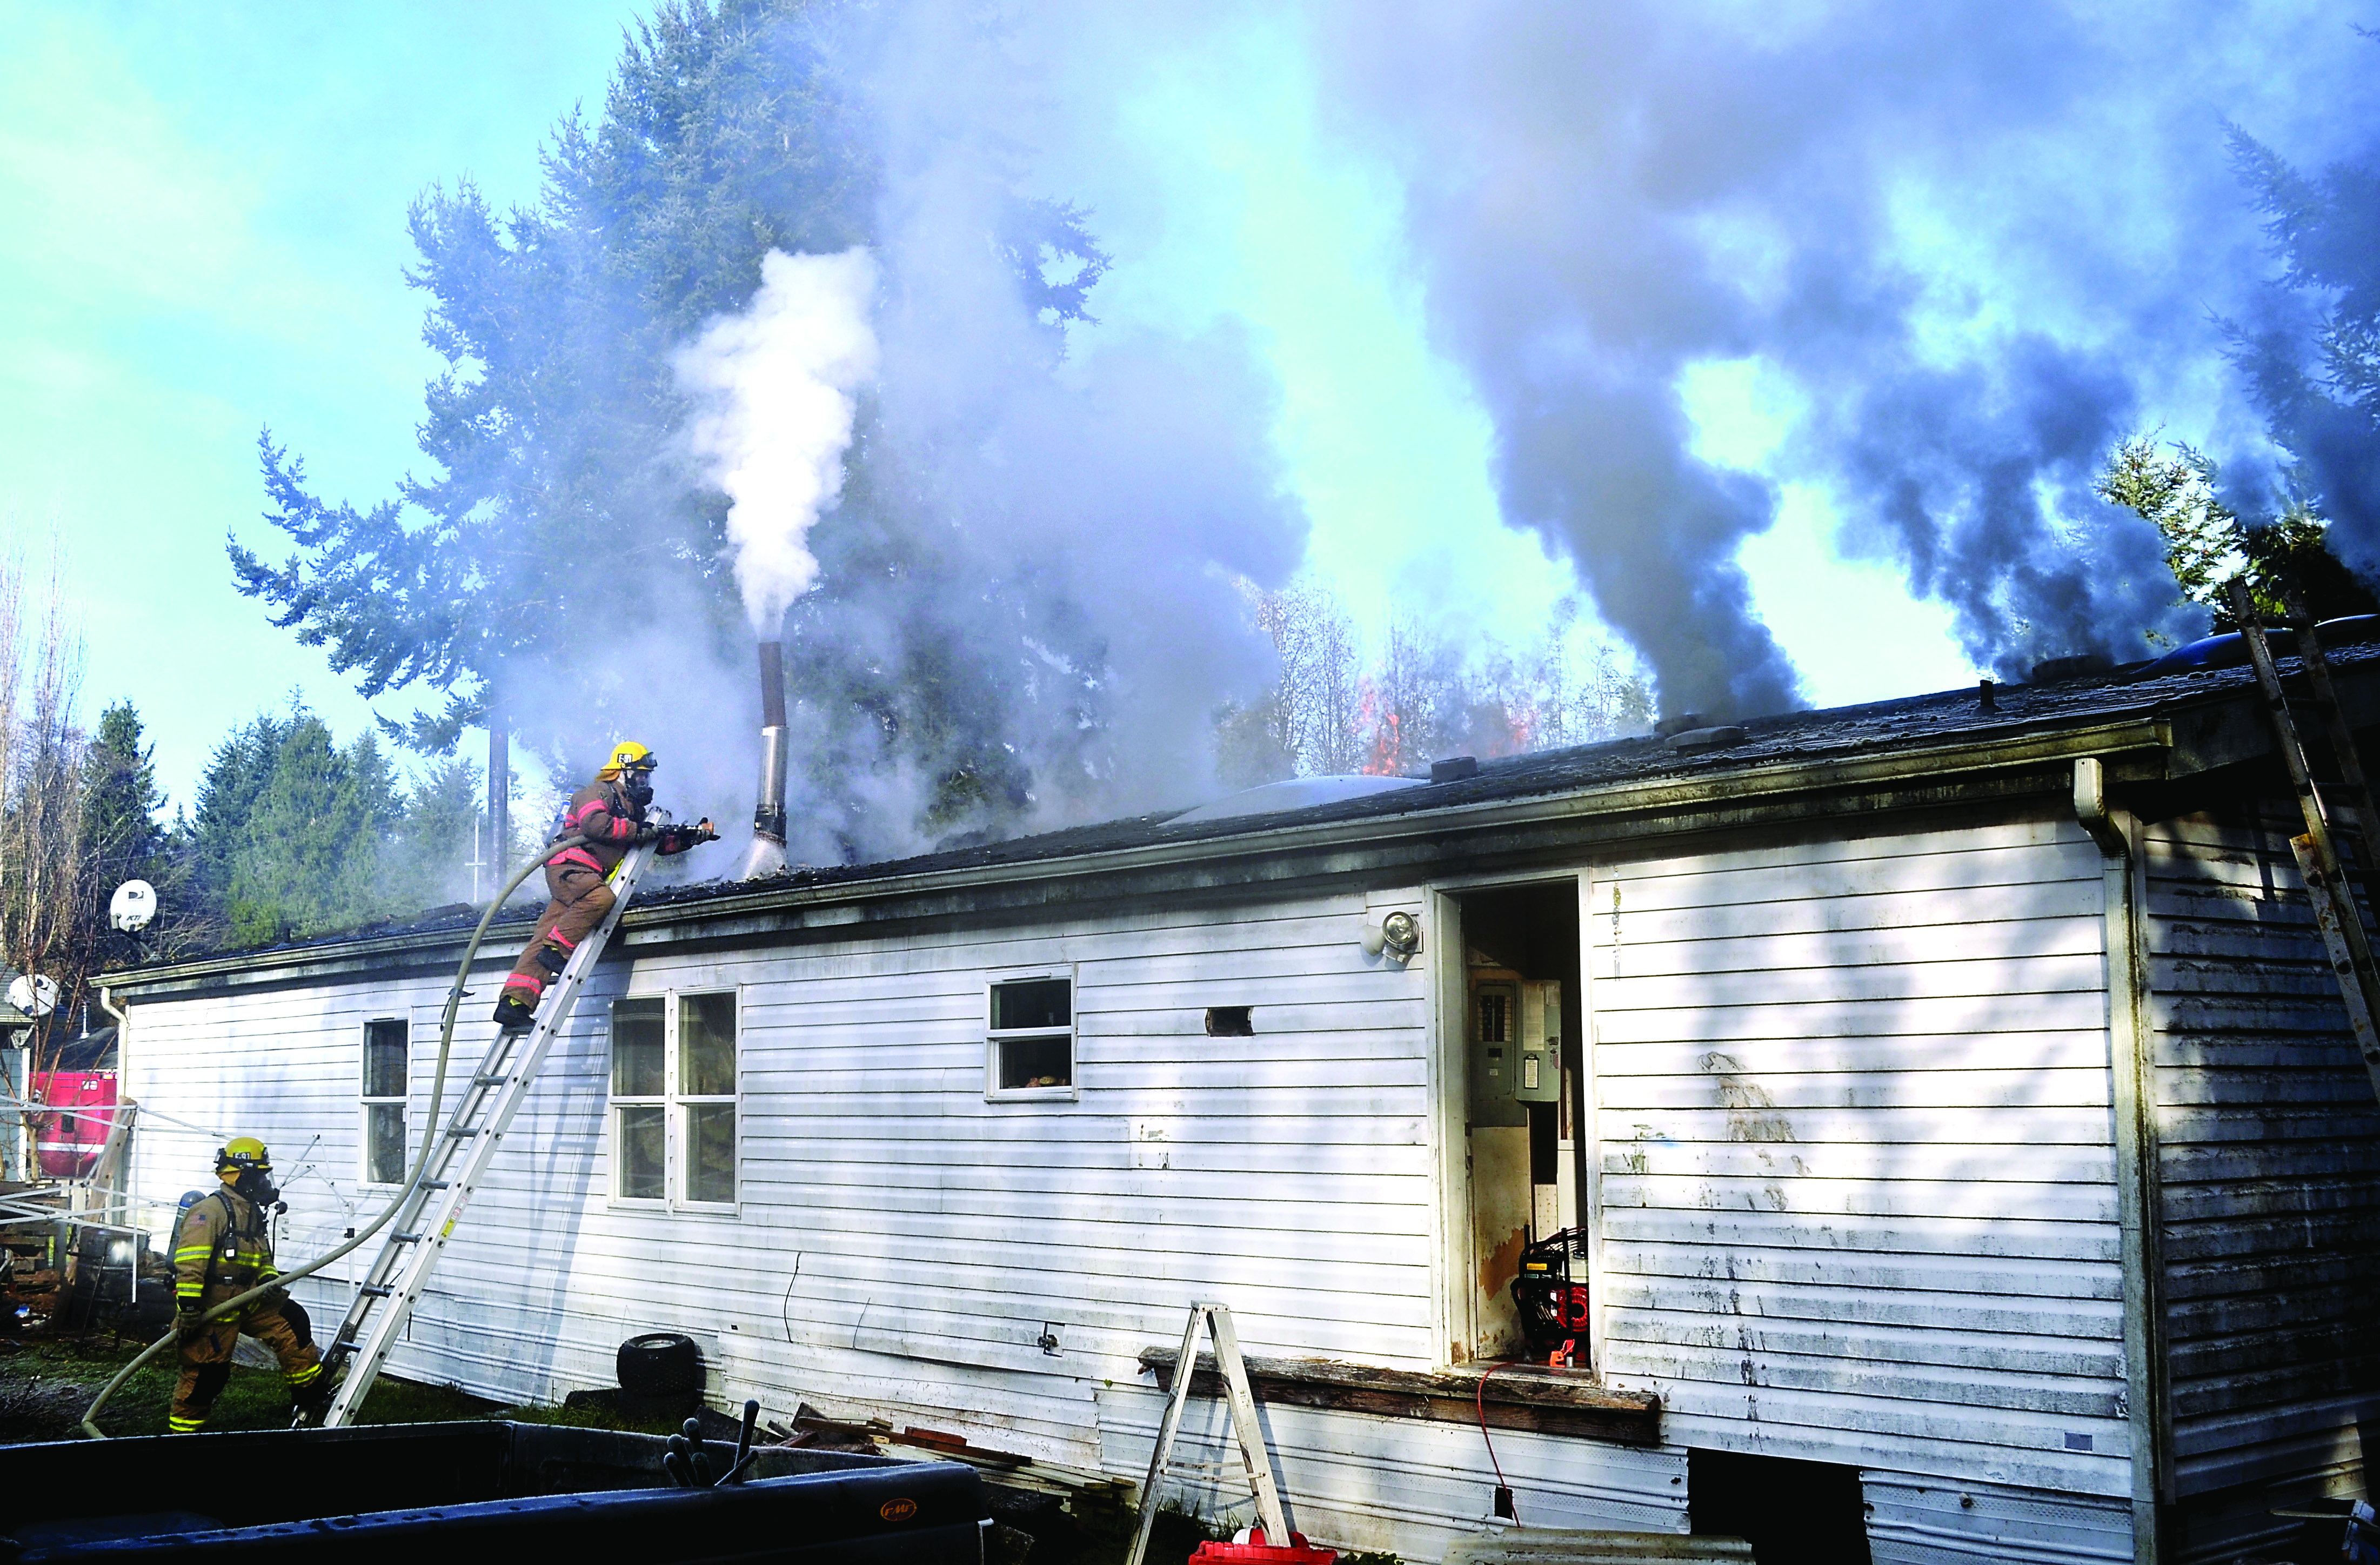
[1523,1068]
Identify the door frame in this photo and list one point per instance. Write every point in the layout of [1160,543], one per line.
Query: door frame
[1445,951]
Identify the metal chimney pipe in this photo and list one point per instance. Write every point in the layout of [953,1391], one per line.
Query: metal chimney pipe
[768,854]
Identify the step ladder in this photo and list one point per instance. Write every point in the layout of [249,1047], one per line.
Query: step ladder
[467,1145]
[1233,1371]
[2328,883]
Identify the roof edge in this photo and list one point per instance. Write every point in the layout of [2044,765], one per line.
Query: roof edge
[2130,735]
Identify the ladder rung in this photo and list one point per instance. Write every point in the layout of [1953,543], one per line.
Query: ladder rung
[493,1089]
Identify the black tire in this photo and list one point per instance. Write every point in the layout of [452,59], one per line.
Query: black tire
[661,1364]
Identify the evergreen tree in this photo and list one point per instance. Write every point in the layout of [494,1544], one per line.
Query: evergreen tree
[311,859]
[2320,389]
[124,839]
[428,857]
[722,137]
[295,835]
[555,511]
[2177,488]
[122,836]
[218,827]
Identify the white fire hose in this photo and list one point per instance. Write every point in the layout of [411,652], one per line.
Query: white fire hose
[232,1306]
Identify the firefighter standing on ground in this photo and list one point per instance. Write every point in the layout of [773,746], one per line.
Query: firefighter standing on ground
[610,813]
[220,1251]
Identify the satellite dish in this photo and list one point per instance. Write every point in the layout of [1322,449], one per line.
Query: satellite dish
[134,904]
[33,995]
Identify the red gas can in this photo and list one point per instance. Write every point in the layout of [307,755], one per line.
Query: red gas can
[1255,1551]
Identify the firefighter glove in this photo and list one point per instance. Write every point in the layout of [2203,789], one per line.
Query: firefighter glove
[189,1322]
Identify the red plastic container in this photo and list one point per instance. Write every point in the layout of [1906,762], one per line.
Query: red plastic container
[1255,1551]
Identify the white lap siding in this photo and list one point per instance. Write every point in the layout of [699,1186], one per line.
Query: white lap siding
[2270,1165]
[1856,1171]
[902,1245]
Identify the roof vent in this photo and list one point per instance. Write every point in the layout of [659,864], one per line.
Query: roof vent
[1706,738]
[1453,769]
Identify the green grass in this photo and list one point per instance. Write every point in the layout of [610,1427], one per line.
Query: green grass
[44,1386]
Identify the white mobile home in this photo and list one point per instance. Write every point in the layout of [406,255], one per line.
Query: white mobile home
[2009,1167]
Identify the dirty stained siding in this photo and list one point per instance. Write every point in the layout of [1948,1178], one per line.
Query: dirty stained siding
[901,1245]
[2269,1168]
[1856,1176]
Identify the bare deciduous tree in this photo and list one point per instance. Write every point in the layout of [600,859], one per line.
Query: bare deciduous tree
[1419,694]
[41,805]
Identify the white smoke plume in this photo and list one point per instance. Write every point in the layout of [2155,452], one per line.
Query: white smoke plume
[775,392]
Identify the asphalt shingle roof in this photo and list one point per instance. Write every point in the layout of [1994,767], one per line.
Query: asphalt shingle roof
[1874,727]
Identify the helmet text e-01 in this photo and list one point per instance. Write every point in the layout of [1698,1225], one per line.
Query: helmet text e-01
[240,1154]
[629,756]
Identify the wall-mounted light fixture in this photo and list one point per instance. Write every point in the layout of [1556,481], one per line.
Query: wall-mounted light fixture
[1395,935]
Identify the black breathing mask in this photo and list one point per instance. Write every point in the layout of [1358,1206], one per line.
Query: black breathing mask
[639,785]
[256,1186]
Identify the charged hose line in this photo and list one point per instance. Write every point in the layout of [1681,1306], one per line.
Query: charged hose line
[232,1306]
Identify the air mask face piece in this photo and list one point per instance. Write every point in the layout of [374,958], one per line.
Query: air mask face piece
[257,1185]
[639,785]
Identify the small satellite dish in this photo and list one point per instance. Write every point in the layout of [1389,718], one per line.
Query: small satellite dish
[134,904]
[33,995]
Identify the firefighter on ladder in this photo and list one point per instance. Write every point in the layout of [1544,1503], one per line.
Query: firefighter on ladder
[221,1250]
[610,813]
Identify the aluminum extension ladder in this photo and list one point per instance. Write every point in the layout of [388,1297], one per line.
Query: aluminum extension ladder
[2327,881]
[484,1109]
[1233,1371]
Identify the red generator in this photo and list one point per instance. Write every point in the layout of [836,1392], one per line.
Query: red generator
[81,1105]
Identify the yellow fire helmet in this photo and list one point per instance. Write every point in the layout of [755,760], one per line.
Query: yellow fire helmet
[627,754]
[239,1155]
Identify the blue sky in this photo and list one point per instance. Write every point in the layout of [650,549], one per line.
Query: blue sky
[202,232]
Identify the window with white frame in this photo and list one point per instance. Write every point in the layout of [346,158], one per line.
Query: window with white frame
[673,1083]
[706,1096]
[387,1046]
[1030,1046]
[639,1106]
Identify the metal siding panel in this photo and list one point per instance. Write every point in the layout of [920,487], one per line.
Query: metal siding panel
[902,1241]
[2270,1176]
[1927,1522]
[1855,1161]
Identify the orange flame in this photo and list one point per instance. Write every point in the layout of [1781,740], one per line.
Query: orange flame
[1385,727]
[1522,728]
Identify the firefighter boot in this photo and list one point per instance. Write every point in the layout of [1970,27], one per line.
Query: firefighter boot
[517,1009]
[308,1403]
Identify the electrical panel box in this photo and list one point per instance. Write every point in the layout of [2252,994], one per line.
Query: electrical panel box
[1495,1054]
[1537,1072]
[1515,1049]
